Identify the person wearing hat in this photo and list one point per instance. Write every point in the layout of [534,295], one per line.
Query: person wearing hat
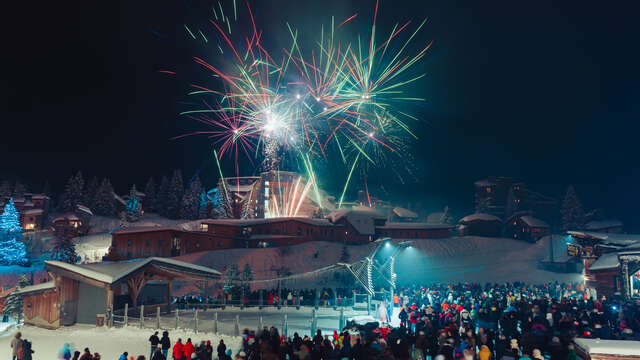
[241,355]
[157,354]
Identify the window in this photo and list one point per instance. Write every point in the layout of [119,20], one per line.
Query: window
[219,243]
[204,227]
[488,189]
[198,244]
[160,243]
[146,243]
[299,231]
[128,242]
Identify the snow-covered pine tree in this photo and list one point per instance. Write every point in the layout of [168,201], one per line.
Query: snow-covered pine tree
[150,196]
[162,196]
[572,211]
[190,207]
[13,305]
[247,277]
[12,249]
[73,192]
[203,206]
[221,206]
[174,197]
[104,202]
[63,248]
[90,192]
[133,207]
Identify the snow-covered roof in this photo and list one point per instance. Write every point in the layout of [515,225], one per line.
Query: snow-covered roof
[609,347]
[435,218]
[532,221]
[606,261]
[144,229]
[84,209]
[119,199]
[239,188]
[404,213]
[253,222]
[604,224]
[33,212]
[479,217]
[361,218]
[484,182]
[110,273]
[619,240]
[39,196]
[66,217]
[34,288]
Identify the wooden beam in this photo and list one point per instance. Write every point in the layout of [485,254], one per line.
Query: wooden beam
[135,286]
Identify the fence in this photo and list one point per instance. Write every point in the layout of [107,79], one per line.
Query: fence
[231,320]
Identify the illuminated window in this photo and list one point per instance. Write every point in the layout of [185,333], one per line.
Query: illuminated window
[30,226]
[488,189]
[128,242]
[204,227]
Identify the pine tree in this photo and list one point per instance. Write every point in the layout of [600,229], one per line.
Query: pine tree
[73,193]
[63,248]
[90,192]
[104,202]
[344,256]
[162,196]
[221,206]
[150,196]
[203,206]
[12,249]
[513,203]
[46,189]
[572,211]
[133,207]
[13,306]
[247,277]
[18,190]
[174,197]
[190,207]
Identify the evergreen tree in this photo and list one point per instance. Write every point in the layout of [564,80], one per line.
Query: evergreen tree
[46,189]
[513,203]
[162,196]
[232,276]
[247,277]
[221,204]
[6,189]
[150,196]
[12,249]
[63,248]
[190,207]
[104,201]
[174,197]
[13,306]
[572,211]
[344,256]
[90,192]
[203,206]
[133,207]
[73,193]
[18,190]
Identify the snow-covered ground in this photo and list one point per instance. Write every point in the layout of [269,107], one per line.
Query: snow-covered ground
[110,343]
[93,247]
[105,224]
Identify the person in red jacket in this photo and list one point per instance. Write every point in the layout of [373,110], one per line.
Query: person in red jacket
[188,349]
[178,350]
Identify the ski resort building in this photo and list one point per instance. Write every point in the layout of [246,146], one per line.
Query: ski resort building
[526,227]
[504,196]
[348,226]
[480,224]
[611,262]
[32,208]
[80,293]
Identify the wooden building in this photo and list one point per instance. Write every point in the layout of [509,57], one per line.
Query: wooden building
[349,226]
[32,209]
[526,227]
[611,262]
[604,226]
[78,293]
[480,224]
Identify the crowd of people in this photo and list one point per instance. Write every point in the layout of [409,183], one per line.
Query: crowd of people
[464,321]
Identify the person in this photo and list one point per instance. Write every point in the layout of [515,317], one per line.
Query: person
[96,356]
[141,357]
[241,356]
[166,344]
[76,355]
[178,350]
[157,354]
[26,350]
[16,346]
[86,355]
[154,340]
[124,356]
[226,355]
[65,353]
[208,351]
[221,349]
[188,349]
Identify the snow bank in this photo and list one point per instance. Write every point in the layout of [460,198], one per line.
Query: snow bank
[109,343]
[92,248]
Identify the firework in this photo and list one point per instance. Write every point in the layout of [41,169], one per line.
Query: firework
[341,104]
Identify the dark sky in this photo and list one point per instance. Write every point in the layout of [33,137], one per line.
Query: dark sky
[542,90]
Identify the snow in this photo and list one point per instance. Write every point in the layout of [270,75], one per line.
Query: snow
[404,213]
[435,218]
[360,217]
[606,261]
[33,212]
[608,238]
[105,224]
[110,343]
[479,217]
[532,221]
[92,248]
[609,347]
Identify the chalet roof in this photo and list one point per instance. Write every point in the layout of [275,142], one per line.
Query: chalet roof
[607,239]
[33,212]
[609,347]
[144,229]
[84,209]
[239,188]
[252,222]
[67,217]
[479,217]
[604,224]
[36,288]
[110,273]
[606,261]
[435,218]
[404,213]
[361,218]
[39,196]
[534,222]
[485,182]
[413,226]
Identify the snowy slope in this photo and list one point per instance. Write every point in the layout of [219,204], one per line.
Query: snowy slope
[110,343]
[431,260]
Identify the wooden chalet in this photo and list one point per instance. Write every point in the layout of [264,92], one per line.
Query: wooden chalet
[526,227]
[78,293]
[480,224]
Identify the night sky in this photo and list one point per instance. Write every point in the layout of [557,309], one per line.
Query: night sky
[545,91]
